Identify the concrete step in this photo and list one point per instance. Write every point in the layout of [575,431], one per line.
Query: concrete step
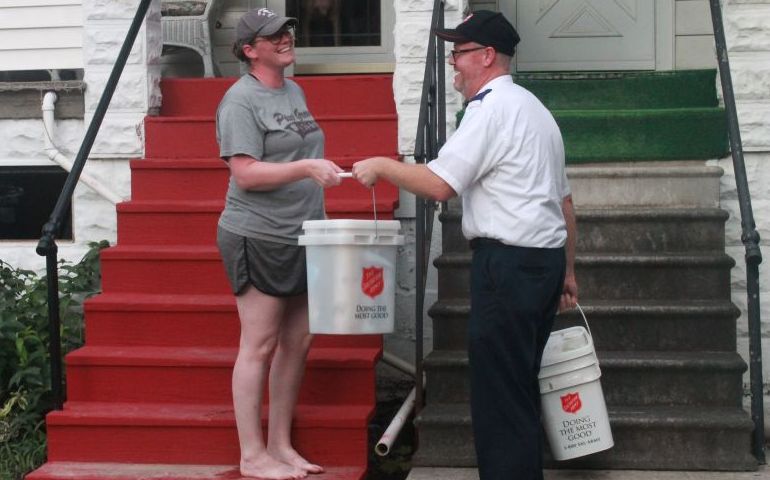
[647,184]
[628,230]
[693,276]
[646,438]
[619,324]
[762,473]
[643,379]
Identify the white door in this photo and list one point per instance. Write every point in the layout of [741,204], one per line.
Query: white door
[585,35]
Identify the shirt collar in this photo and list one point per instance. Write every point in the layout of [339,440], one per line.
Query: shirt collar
[490,85]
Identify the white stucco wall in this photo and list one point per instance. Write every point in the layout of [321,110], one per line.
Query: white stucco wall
[21,143]
[105,24]
[748,41]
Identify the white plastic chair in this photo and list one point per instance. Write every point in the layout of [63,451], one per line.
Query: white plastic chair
[192,31]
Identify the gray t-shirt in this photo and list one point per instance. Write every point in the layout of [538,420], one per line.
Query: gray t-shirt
[269,125]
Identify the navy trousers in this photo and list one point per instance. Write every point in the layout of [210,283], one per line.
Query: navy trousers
[514,298]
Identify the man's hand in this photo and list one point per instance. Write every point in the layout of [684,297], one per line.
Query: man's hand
[323,172]
[569,294]
[369,170]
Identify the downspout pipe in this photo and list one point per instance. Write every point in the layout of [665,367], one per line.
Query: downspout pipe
[49,127]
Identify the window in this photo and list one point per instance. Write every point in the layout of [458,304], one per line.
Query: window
[27,198]
[336,23]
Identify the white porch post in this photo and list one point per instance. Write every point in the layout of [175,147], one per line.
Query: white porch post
[138,93]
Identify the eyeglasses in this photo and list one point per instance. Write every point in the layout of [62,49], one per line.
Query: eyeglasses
[276,37]
[455,53]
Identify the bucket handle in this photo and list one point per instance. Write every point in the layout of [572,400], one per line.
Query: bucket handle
[374,201]
[577,305]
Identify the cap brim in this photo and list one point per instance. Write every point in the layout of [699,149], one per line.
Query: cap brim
[450,35]
[275,24]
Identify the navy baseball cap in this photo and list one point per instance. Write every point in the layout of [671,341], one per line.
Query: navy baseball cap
[490,29]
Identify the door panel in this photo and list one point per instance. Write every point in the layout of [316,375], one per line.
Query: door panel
[586,35]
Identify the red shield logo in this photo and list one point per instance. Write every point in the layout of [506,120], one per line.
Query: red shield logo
[571,403]
[372,281]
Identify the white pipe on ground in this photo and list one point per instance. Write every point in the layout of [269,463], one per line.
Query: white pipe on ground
[49,105]
[398,363]
[391,433]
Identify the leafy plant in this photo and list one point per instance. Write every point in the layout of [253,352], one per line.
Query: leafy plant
[25,376]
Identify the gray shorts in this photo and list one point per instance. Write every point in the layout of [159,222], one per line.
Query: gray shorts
[272,268]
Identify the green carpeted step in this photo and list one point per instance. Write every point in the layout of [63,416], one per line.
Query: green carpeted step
[626,90]
[667,134]
[629,116]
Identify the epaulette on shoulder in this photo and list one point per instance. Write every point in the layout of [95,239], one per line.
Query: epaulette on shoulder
[480,95]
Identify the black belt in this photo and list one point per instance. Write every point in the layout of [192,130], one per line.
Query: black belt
[479,242]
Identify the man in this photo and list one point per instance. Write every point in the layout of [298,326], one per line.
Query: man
[506,160]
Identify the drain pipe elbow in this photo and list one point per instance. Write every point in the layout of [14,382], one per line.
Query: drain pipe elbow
[53,153]
[49,106]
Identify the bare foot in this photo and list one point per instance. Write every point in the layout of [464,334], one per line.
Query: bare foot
[291,457]
[265,467]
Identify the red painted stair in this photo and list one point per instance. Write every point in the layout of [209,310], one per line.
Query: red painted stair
[149,394]
[132,471]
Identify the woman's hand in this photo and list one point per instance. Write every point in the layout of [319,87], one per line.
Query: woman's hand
[323,172]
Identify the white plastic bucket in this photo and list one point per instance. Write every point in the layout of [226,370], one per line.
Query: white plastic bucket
[574,413]
[351,275]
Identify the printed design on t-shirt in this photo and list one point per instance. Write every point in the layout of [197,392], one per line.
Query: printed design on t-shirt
[299,122]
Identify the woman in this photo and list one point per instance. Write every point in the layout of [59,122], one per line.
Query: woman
[274,150]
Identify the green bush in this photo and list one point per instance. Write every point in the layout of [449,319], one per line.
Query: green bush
[25,376]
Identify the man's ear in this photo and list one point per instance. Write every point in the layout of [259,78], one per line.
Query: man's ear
[490,57]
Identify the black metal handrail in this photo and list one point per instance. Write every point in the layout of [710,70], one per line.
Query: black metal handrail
[46,247]
[749,235]
[431,135]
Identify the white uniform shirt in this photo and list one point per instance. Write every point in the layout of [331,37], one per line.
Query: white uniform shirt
[506,160]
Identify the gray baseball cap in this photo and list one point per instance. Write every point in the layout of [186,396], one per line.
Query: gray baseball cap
[261,22]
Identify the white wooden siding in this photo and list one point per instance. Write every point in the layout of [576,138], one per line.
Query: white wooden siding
[40,34]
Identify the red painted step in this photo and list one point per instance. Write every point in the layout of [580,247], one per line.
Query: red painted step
[179,179]
[163,223]
[152,385]
[346,135]
[326,94]
[132,471]
[195,434]
[197,375]
[195,222]
[181,321]
[191,270]
[192,181]
[206,179]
